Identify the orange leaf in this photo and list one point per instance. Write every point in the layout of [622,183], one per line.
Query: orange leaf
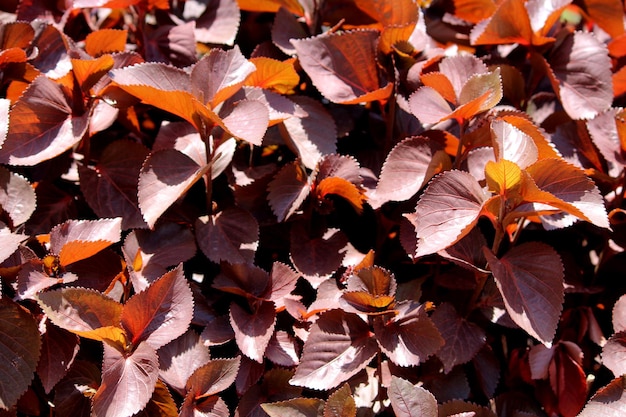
[619,82]
[544,147]
[79,250]
[608,14]
[271,6]
[105,41]
[89,71]
[440,83]
[272,74]
[474,11]
[504,177]
[343,188]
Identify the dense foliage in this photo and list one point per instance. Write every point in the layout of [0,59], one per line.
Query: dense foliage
[312,208]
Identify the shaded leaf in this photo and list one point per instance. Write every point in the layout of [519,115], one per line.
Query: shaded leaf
[75,240]
[110,187]
[58,350]
[283,349]
[216,22]
[231,235]
[128,381]
[283,281]
[287,191]
[339,345]
[17,196]
[161,403]
[316,255]
[463,339]
[253,330]
[339,78]
[532,290]
[446,211]
[69,394]
[408,400]
[410,337]
[20,347]
[43,125]
[9,241]
[160,313]
[87,313]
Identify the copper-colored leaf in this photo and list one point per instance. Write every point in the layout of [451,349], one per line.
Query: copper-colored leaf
[341,188]
[339,345]
[474,11]
[75,240]
[295,407]
[343,66]
[105,41]
[19,345]
[87,313]
[42,125]
[128,381]
[409,400]
[253,330]
[447,210]
[530,278]
[463,338]
[316,255]
[606,14]
[272,74]
[341,403]
[410,337]
[231,235]
[89,71]
[160,313]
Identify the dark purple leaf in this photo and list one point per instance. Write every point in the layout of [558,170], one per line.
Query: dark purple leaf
[128,381]
[283,349]
[463,339]
[339,345]
[253,330]
[530,278]
[171,44]
[58,350]
[287,191]
[69,394]
[20,347]
[316,256]
[231,235]
[180,358]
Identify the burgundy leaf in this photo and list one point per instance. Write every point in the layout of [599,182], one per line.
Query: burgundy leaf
[20,347]
[58,350]
[463,339]
[608,401]
[343,66]
[69,394]
[487,367]
[568,379]
[316,256]
[530,278]
[539,358]
[17,197]
[446,211]
[244,280]
[283,281]
[128,381]
[312,135]
[410,337]
[339,345]
[287,190]
[54,206]
[148,258]
[231,235]
[180,358]
[408,400]
[110,187]
[42,125]
[468,252]
[213,377]
[175,44]
[253,330]
[580,70]
[160,313]
[614,353]
[409,165]
[165,176]
[283,349]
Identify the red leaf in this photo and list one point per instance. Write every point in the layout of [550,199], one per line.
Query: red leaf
[42,126]
[463,339]
[76,240]
[213,377]
[530,278]
[110,187]
[568,379]
[160,313]
[231,235]
[58,350]
[180,358]
[580,72]
[608,401]
[446,211]
[339,345]
[19,346]
[319,255]
[127,381]
[410,337]
[408,400]
[105,41]
[253,330]
[165,176]
[409,165]
[343,66]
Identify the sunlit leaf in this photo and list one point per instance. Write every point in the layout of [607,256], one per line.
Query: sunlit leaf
[341,188]
[76,240]
[295,407]
[160,313]
[128,381]
[339,345]
[409,400]
[272,74]
[271,6]
[105,41]
[608,401]
[339,79]
[429,106]
[213,377]
[248,120]
[532,291]
[505,178]
[253,330]
[89,71]
[180,358]
[287,191]
[42,125]
[614,353]
[19,346]
[474,11]
[215,22]
[512,144]
[447,210]
[606,14]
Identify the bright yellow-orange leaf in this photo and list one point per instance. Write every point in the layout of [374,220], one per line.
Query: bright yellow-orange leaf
[342,188]
[441,84]
[474,11]
[106,41]
[89,71]
[272,74]
[504,177]
[78,250]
